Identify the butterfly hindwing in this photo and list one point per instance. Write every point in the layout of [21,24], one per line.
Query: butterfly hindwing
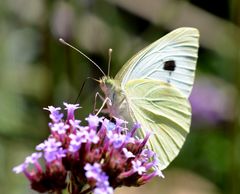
[171,59]
[161,110]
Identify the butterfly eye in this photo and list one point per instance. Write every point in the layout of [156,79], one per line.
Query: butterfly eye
[169,65]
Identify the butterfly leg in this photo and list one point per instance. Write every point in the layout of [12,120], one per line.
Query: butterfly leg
[95,100]
[107,100]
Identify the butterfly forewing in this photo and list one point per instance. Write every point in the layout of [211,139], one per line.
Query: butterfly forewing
[163,111]
[171,59]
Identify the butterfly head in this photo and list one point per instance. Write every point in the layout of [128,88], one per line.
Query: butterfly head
[107,84]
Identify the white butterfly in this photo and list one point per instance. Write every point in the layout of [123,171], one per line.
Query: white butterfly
[153,87]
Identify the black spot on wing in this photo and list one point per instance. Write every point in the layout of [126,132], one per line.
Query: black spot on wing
[169,65]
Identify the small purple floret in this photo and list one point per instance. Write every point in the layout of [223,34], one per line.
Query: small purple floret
[70,110]
[54,113]
[77,139]
[60,128]
[33,158]
[93,171]
[120,122]
[127,153]
[93,121]
[52,149]
[137,167]
[92,137]
[117,139]
[20,168]
[75,123]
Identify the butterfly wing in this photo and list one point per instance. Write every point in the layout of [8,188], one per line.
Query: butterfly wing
[162,110]
[171,59]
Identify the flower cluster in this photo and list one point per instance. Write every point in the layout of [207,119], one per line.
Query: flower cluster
[97,157]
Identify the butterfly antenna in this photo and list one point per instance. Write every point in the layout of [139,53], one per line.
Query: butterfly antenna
[83,84]
[64,42]
[109,60]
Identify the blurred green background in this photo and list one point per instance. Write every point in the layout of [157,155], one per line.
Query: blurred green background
[36,71]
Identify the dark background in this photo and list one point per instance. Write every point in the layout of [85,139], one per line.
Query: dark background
[36,71]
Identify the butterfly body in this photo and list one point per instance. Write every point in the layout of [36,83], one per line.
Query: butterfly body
[152,88]
[117,98]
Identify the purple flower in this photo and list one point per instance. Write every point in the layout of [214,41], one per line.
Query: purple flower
[103,180]
[158,172]
[71,108]
[146,154]
[54,113]
[49,145]
[129,139]
[52,149]
[103,190]
[75,123]
[61,153]
[88,154]
[127,153]
[77,139]
[33,158]
[20,168]
[93,121]
[53,155]
[92,137]
[135,127]
[120,122]
[110,126]
[60,128]
[93,171]
[117,139]
[102,185]
[52,109]
[137,167]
